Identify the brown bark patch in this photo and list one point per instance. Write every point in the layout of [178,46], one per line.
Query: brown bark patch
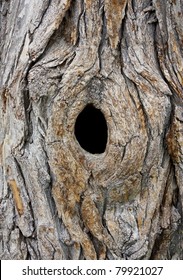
[4,99]
[115,11]
[172,144]
[16,196]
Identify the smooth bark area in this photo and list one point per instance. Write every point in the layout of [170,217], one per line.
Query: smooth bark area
[58,200]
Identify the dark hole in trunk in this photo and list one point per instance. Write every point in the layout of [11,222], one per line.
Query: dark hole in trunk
[91,130]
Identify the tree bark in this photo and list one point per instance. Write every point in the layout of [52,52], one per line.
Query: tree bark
[59,201]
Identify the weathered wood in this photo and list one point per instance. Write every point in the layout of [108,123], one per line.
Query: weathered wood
[59,201]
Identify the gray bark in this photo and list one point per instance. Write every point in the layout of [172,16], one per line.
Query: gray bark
[59,201]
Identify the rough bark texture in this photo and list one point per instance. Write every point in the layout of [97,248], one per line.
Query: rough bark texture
[57,200]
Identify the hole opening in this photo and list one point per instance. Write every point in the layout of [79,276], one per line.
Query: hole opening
[91,130]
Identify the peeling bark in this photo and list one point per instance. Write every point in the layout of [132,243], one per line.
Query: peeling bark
[59,201]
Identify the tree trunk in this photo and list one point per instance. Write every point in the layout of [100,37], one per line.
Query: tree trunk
[91,129]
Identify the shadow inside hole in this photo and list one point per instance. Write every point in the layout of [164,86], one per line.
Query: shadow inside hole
[91,130]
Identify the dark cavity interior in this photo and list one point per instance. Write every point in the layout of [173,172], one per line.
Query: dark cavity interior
[91,130]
